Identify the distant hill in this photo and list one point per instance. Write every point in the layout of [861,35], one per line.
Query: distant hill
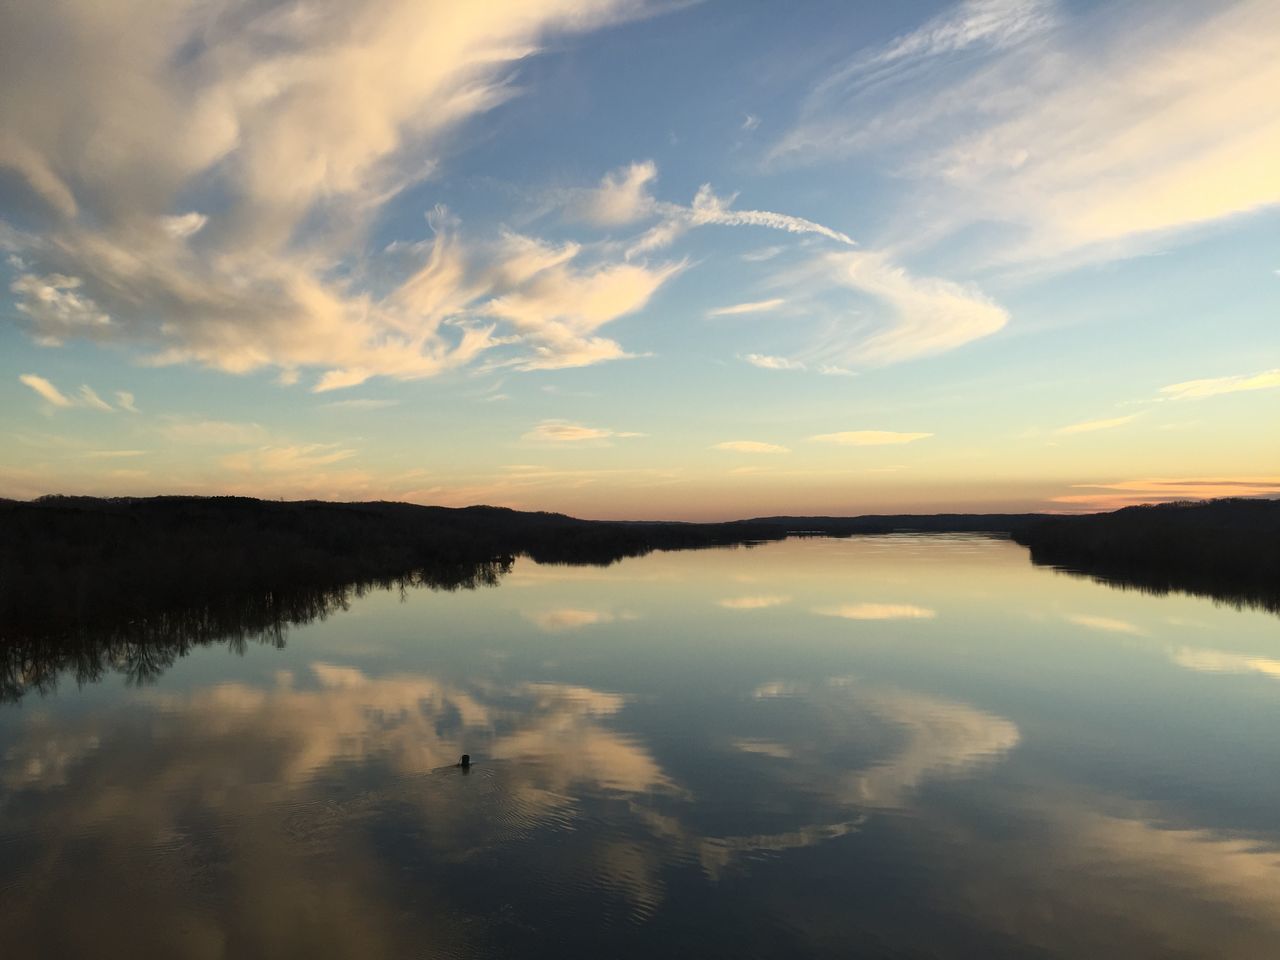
[903,523]
[1226,549]
[66,561]
[71,563]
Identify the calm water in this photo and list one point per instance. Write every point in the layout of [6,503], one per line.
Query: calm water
[887,746]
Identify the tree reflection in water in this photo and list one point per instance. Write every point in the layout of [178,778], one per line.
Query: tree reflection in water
[142,648]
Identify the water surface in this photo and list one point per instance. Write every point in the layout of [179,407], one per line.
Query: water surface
[881,746]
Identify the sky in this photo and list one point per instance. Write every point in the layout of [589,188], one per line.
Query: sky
[628,259]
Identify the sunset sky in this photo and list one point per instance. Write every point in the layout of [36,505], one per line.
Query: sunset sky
[650,260]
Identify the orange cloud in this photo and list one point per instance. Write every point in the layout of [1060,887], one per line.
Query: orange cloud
[1128,493]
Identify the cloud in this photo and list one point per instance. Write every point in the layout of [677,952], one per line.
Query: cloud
[1125,493]
[707,209]
[113,454]
[877,611]
[869,438]
[1216,386]
[124,399]
[304,123]
[934,739]
[553,743]
[184,225]
[559,309]
[761,255]
[749,446]
[776,689]
[710,209]
[528,486]
[749,122]
[755,306]
[571,618]
[1220,661]
[88,397]
[213,432]
[54,306]
[990,24]
[875,312]
[1093,136]
[759,602]
[622,197]
[1089,426]
[944,739]
[364,403]
[927,315]
[843,113]
[564,431]
[46,390]
[287,459]
[766,362]
[1105,624]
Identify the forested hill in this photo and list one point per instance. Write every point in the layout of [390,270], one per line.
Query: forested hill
[65,560]
[1228,549]
[68,561]
[904,522]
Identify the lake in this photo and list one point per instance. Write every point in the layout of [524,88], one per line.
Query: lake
[909,746]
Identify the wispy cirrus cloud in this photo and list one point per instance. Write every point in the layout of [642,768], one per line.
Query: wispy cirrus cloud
[113,454]
[767,361]
[923,316]
[287,459]
[622,197]
[869,438]
[761,255]
[363,403]
[89,398]
[988,24]
[566,431]
[708,208]
[1217,386]
[1090,426]
[754,306]
[749,446]
[873,312]
[86,397]
[1090,136]
[46,390]
[212,432]
[845,112]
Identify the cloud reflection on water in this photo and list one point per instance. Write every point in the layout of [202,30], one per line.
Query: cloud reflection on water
[915,798]
[877,611]
[229,759]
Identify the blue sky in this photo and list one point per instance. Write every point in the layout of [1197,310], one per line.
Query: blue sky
[642,260]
